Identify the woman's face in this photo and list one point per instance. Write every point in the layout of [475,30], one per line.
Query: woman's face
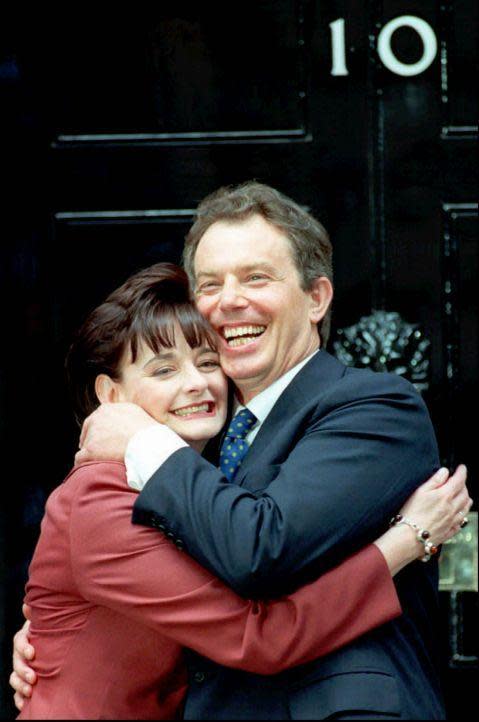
[181,387]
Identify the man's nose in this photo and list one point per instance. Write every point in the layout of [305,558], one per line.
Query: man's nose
[232,295]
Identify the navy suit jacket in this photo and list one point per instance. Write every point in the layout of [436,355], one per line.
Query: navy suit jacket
[339,453]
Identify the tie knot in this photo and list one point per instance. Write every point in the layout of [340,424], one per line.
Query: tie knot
[241,424]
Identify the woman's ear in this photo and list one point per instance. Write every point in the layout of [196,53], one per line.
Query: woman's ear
[321,296]
[107,390]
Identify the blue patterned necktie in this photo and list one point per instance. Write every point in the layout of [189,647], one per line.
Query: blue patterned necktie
[234,447]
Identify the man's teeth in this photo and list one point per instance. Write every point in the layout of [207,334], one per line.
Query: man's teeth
[236,334]
[191,410]
[232,342]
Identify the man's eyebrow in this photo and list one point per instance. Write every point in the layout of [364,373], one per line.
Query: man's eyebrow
[259,266]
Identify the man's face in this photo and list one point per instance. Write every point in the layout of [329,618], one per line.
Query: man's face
[249,289]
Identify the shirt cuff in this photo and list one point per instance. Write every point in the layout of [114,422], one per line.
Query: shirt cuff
[147,451]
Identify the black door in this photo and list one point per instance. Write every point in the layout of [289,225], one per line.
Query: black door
[114,127]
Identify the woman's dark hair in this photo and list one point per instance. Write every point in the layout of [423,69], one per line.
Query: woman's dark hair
[145,308]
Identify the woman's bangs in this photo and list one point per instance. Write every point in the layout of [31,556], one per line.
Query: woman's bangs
[157,328]
[197,331]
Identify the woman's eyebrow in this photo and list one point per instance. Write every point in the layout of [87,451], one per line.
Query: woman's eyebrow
[206,349]
[162,356]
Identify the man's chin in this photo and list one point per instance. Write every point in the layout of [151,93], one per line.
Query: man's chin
[242,368]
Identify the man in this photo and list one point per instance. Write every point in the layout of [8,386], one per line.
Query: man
[329,455]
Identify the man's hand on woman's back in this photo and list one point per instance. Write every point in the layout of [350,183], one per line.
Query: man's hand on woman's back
[23,677]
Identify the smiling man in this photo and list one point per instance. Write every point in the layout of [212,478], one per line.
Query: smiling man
[249,288]
[316,459]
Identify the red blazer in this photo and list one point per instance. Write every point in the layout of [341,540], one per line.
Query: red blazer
[113,604]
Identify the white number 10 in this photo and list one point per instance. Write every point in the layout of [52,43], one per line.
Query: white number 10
[423,29]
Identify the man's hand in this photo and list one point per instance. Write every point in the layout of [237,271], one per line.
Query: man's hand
[108,430]
[23,677]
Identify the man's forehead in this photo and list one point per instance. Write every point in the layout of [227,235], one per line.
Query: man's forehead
[244,247]
[253,228]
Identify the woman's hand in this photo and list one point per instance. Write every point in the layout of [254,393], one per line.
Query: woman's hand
[435,506]
[23,677]
[440,504]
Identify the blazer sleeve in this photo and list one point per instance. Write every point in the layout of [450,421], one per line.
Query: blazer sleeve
[351,469]
[138,573]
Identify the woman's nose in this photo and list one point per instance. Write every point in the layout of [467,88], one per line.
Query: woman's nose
[195,381]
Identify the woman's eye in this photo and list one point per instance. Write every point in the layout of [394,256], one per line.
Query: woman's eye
[163,371]
[209,287]
[209,365]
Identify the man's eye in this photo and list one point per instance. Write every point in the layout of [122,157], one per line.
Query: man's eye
[257,277]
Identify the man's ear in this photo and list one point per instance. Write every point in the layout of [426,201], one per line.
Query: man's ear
[107,390]
[321,293]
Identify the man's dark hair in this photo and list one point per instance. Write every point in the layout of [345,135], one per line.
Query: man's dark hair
[310,245]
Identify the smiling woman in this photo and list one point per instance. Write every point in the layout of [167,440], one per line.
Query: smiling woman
[182,386]
[148,344]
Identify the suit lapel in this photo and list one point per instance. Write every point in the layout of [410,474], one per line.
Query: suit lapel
[303,392]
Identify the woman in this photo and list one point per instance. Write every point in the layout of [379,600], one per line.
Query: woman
[113,604]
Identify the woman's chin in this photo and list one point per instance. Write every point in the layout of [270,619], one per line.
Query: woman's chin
[199,438]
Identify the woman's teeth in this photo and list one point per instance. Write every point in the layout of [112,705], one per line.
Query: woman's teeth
[192,410]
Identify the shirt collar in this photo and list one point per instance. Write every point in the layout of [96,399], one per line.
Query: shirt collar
[262,404]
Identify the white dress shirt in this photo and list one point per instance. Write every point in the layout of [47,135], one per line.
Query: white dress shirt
[151,447]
